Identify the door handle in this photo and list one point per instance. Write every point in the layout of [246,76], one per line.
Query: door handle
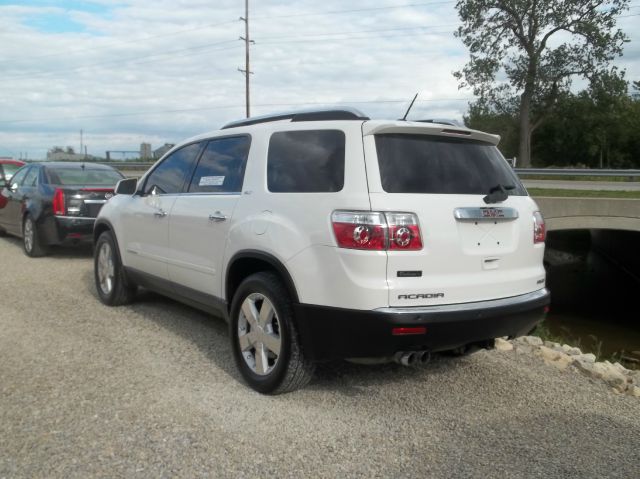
[217,216]
[160,213]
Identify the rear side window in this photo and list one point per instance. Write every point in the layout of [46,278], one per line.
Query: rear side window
[169,176]
[306,161]
[32,177]
[433,164]
[18,178]
[221,166]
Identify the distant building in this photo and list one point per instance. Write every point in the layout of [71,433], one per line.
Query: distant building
[57,155]
[162,150]
[145,151]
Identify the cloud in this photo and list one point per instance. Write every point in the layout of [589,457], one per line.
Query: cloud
[129,71]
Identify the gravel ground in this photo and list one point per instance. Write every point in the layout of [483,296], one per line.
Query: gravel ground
[150,390]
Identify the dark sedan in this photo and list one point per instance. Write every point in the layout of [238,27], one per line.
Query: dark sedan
[55,203]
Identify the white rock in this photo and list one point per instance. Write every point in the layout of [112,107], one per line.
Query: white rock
[588,358]
[503,345]
[556,358]
[551,344]
[530,340]
[621,368]
[570,350]
[607,372]
[615,379]
[634,391]
[548,353]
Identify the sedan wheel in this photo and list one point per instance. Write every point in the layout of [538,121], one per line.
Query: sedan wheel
[31,239]
[28,235]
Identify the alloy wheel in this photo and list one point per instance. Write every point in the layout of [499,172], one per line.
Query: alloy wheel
[106,270]
[28,234]
[259,334]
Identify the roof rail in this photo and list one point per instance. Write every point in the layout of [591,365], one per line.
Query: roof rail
[302,115]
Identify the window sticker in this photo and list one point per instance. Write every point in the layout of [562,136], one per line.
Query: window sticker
[211,181]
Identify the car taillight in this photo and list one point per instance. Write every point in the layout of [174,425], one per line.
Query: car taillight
[58,202]
[360,230]
[376,230]
[404,231]
[539,228]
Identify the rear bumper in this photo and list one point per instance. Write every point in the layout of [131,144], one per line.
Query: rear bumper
[335,333]
[61,229]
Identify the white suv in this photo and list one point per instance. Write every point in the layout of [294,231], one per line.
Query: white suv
[325,235]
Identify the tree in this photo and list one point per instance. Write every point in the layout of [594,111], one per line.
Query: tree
[525,53]
[597,127]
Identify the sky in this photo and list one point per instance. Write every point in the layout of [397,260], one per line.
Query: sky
[131,71]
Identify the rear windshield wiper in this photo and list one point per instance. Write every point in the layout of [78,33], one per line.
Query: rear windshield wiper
[498,193]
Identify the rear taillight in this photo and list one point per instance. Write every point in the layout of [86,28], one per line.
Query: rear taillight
[360,230]
[539,228]
[404,231]
[376,231]
[58,202]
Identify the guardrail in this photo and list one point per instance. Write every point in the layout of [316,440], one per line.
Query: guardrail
[576,172]
[125,165]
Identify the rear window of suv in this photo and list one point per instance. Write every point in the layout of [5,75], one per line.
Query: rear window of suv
[306,161]
[441,165]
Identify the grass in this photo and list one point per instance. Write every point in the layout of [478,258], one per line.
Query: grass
[629,179]
[559,193]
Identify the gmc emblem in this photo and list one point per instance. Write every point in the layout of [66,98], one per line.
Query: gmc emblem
[421,296]
[492,213]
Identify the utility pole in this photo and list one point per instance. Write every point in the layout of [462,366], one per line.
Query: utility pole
[247,70]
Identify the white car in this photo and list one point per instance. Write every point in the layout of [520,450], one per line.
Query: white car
[324,235]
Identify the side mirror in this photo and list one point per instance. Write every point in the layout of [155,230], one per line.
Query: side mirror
[126,187]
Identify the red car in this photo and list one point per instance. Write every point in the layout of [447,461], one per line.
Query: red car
[7,169]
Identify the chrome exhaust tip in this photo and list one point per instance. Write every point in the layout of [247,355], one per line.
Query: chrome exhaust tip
[412,358]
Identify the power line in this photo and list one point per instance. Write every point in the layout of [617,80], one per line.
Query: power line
[207,47]
[119,61]
[224,107]
[358,10]
[127,42]
[400,29]
[229,22]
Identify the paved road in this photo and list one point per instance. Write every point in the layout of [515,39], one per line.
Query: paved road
[149,390]
[584,185]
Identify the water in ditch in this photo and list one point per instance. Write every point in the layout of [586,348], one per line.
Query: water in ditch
[594,278]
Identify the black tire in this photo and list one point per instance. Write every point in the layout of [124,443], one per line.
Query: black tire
[118,290]
[290,369]
[31,241]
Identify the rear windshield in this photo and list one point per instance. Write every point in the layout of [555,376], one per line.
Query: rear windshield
[434,164]
[82,176]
